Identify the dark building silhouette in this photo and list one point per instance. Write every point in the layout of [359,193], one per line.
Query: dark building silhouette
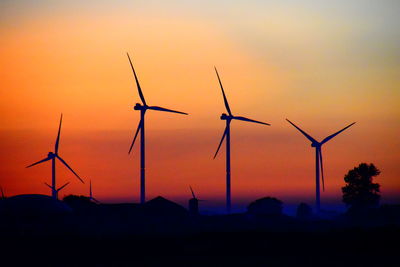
[164,207]
[265,206]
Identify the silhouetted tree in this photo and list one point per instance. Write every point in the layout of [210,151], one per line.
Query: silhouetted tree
[304,211]
[360,192]
[265,206]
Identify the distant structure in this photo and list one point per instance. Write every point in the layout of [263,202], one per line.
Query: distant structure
[91,194]
[143,108]
[228,118]
[265,206]
[160,206]
[57,190]
[53,156]
[318,161]
[2,193]
[193,204]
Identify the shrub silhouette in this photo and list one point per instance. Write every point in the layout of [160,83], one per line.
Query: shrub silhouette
[360,193]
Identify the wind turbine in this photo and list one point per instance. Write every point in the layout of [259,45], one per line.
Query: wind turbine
[228,118]
[53,156]
[193,195]
[143,108]
[90,193]
[194,203]
[57,190]
[191,190]
[3,196]
[318,160]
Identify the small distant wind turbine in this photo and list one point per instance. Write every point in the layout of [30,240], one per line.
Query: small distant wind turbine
[53,156]
[193,195]
[194,203]
[143,108]
[318,160]
[191,190]
[57,190]
[91,194]
[228,118]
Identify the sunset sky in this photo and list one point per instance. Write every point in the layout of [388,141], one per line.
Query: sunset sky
[321,64]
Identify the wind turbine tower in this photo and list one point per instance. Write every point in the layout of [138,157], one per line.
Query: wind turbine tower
[227,133]
[55,189]
[143,108]
[91,193]
[193,203]
[318,161]
[53,156]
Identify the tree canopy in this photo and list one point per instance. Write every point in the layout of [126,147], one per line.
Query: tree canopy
[360,192]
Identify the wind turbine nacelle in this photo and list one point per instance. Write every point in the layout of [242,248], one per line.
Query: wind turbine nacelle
[138,107]
[224,116]
[315,144]
[51,155]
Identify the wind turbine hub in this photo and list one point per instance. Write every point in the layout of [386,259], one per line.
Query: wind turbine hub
[138,106]
[225,117]
[315,144]
[51,155]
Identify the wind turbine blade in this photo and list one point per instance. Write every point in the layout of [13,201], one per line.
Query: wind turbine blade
[223,93]
[322,168]
[58,136]
[166,110]
[192,192]
[59,189]
[222,139]
[137,82]
[90,189]
[49,186]
[249,120]
[333,135]
[303,132]
[40,161]
[2,193]
[136,134]
[70,168]
[95,200]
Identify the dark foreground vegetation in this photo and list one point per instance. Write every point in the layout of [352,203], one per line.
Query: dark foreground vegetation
[162,233]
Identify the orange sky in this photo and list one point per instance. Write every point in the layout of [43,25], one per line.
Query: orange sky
[321,68]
